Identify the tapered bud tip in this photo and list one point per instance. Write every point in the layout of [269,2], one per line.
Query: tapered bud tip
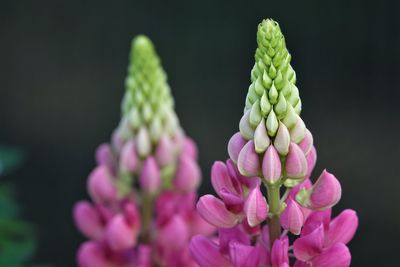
[271,165]
[282,140]
[235,145]
[296,163]
[141,42]
[256,207]
[326,191]
[248,160]
[150,179]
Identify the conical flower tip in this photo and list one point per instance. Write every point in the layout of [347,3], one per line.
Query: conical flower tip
[147,102]
[272,94]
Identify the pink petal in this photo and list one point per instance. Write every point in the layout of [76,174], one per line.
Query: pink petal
[308,246]
[296,163]
[336,256]
[235,144]
[220,178]
[279,252]
[213,210]
[307,143]
[271,165]
[315,219]
[292,218]
[120,235]
[256,207]
[248,161]
[206,253]
[188,175]
[311,160]
[128,158]
[88,220]
[189,148]
[91,254]
[104,156]
[244,255]
[234,234]
[165,152]
[101,186]
[326,191]
[150,179]
[175,234]
[342,228]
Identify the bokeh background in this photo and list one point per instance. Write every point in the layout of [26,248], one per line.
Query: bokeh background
[62,69]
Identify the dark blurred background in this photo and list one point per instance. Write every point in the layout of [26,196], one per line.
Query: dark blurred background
[62,69]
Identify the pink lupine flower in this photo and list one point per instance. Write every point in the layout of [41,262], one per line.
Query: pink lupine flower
[144,185]
[273,150]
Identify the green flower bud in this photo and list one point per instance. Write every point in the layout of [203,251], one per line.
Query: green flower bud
[272,95]
[147,105]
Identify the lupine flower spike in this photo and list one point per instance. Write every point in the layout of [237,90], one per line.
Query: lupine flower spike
[143,188]
[273,149]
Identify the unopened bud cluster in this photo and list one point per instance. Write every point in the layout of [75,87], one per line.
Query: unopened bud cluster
[273,148]
[143,188]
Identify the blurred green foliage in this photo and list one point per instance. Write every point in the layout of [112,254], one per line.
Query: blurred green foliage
[17,238]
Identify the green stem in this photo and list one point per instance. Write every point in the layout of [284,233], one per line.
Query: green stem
[147,212]
[274,202]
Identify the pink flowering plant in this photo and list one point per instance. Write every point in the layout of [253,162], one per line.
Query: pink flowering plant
[143,187]
[268,211]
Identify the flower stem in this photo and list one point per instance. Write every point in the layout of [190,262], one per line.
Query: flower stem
[147,209]
[274,207]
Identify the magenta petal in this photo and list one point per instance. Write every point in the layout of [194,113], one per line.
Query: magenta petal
[235,234]
[308,246]
[101,186]
[256,207]
[213,210]
[271,165]
[342,228]
[296,163]
[88,220]
[232,201]
[120,235]
[174,234]
[220,178]
[144,256]
[235,144]
[91,254]
[301,264]
[150,179]
[248,160]
[336,256]
[244,255]
[279,252]
[206,253]
[292,218]
[326,191]
[188,175]
[315,219]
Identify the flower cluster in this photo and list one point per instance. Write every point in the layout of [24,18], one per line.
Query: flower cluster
[273,152]
[143,187]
